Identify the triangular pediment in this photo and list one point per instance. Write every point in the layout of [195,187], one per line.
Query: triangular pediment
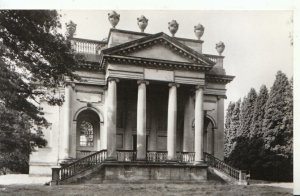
[159,47]
[159,52]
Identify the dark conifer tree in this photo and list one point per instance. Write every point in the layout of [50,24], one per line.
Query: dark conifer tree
[277,107]
[278,131]
[247,111]
[288,120]
[259,112]
[263,141]
[234,126]
[227,128]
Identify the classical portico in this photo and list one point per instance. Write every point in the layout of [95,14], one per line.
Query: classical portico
[143,99]
[162,61]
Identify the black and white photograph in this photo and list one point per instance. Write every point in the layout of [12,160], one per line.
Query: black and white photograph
[147,101]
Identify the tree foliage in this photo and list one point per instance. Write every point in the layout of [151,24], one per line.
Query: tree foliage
[263,145]
[247,111]
[227,128]
[33,55]
[17,140]
[259,112]
[276,124]
[233,128]
[34,59]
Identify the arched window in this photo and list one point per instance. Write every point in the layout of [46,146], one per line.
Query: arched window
[86,137]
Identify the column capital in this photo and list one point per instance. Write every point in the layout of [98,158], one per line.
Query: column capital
[113,79]
[174,84]
[72,84]
[142,81]
[221,97]
[197,87]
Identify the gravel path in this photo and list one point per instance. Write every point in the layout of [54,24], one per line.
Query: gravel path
[19,179]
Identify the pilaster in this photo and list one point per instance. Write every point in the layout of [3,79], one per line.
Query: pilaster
[67,110]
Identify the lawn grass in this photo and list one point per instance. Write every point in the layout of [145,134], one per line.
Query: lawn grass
[143,190]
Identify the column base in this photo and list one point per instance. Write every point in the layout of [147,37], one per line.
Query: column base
[171,161]
[66,161]
[111,159]
[201,162]
[141,160]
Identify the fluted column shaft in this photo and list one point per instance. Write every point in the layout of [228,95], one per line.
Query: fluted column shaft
[199,121]
[141,121]
[172,121]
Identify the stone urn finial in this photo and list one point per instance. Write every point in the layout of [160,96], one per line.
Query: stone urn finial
[199,30]
[113,18]
[71,29]
[220,47]
[173,27]
[142,22]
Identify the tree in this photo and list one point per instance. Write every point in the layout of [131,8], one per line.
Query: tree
[247,111]
[227,128]
[34,59]
[17,140]
[275,125]
[259,112]
[234,127]
[278,130]
[33,55]
[288,120]
[263,141]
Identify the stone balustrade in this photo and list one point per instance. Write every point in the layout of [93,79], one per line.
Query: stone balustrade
[216,59]
[87,46]
[186,157]
[83,164]
[155,156]
[239,175]
[126,155]
[83,153]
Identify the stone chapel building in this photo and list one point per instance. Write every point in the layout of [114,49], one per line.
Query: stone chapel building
[141,97]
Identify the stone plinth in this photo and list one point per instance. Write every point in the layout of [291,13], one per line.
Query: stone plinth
[139,172]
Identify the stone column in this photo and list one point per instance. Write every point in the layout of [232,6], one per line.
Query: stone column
[141,121]
[111,117]
[67,123]
[199,121]
[188,136]
[103,132]
[128,130]
[210,139]
[172,122]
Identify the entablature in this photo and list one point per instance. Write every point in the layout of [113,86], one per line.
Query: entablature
[153,63]
[223,79]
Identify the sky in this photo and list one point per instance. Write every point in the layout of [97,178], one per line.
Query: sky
[257,43]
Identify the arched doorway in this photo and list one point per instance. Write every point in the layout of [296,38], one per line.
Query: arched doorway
[208,136]
[87,133]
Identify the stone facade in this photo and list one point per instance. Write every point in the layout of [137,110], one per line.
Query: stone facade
[141,92]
